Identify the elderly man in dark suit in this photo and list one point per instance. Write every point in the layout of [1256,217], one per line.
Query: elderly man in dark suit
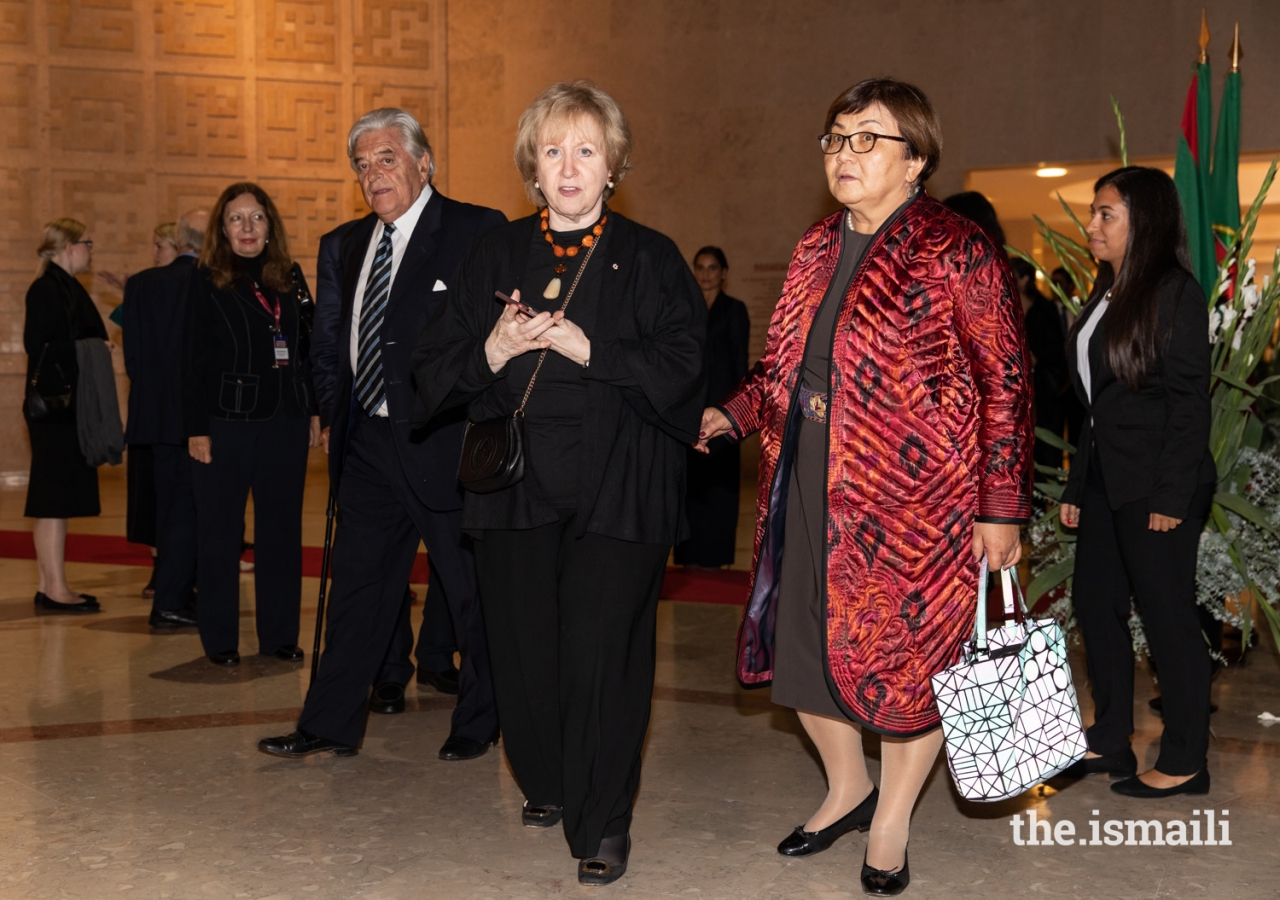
[153,309]
[394,486]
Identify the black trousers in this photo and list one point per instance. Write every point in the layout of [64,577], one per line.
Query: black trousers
[380,523]
[176,538]
[1119,557]
[269,458]
[141,520]
[571,626]
[436,641]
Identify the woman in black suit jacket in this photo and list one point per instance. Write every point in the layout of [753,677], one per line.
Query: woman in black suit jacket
[571,557]
[250,415]
[1142,479]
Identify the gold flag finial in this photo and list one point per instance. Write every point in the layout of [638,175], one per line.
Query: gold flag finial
[1204,37]
[1236,53]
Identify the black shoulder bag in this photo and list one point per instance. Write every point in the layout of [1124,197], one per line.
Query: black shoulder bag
[493,450]
[41,404]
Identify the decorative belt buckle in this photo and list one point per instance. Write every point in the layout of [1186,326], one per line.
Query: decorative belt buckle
[813,405]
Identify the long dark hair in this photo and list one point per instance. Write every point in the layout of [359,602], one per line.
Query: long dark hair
[978,210]
[222,262]
[1157,246]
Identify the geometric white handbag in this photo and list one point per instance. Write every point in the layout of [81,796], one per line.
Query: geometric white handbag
[1009,712]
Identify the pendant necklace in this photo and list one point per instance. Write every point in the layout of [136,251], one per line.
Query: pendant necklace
[552,290]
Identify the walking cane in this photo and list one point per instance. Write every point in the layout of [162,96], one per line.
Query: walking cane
[324,578]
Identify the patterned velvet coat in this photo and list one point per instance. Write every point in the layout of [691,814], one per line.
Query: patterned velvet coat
[929,430]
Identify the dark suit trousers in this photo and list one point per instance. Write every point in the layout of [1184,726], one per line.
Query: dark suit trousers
[269,458]
[176,540]
[436,643]
[1118,557]
[380,522]
[571,626]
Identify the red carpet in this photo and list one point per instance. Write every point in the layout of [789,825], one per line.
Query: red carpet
[724,586]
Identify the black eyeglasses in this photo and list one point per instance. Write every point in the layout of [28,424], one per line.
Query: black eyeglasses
[859,142]
[88,244]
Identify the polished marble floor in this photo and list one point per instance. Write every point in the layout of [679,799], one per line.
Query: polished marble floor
[128,768]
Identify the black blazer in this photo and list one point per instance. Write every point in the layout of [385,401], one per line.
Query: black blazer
[59,313]
[153,312]
[645,384]
[228,365]
[440,240]
[1152,443]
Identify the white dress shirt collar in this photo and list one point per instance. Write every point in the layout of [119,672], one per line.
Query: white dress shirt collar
[408,220]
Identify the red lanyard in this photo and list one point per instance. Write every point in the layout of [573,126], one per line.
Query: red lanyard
[263,300]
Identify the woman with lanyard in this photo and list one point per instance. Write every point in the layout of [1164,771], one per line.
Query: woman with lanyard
[250,418]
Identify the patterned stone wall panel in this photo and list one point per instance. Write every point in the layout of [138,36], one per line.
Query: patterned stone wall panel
[95,110]
[17,112]
[299,31]
[310,208]
[119,208]
[93,25]
[395,33]
[208,28]
[21,215]
[298,123]
[425,103]
[15,21]
[178,193]
[200,117]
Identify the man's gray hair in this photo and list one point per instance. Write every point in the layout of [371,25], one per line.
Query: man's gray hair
[189,231]
[413,138]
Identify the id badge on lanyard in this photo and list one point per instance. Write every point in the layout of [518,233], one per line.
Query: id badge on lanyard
[279,342]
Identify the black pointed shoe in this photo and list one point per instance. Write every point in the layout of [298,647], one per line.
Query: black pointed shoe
[228,660]
[298,744]
[458,748]
[540,816]
[289,653]
[1135,787]
[806,843]
[387,699]
[1121,764]
[46,605]
[880,883]
[171,618]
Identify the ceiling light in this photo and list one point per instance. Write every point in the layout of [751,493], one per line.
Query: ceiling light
[1050,172]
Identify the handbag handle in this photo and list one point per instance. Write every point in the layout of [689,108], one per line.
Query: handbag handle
[35,375]
[567,297]
[1011,589]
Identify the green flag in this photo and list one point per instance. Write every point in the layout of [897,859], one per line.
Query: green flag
[1191,175]
[1224,191]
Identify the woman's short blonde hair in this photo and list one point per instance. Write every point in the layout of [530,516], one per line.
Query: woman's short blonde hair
[58,234]
[555,108]
[167,231]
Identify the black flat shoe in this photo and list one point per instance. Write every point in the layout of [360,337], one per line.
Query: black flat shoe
[289,654]
[89,599]
[46,605]
[458,748]
[880,883]
[228,660]
[445,682]
[1121,764]
[805,843]
[540,816]
[300,743]
[1134,787]
[387,699]
[169,619]
[604,869]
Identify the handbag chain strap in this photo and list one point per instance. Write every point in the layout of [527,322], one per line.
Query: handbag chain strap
[567,297]
[35,375]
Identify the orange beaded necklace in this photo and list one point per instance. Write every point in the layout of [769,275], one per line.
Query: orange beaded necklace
[561,252]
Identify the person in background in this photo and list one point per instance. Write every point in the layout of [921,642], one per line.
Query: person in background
[1047,342]
[978,209]
[249,416]
[154,311]
[164,250]
[62,485]
[714,479]
[1142,480]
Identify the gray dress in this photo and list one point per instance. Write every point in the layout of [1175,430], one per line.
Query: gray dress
[800,665]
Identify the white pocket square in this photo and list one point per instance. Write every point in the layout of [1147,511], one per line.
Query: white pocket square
[439,286]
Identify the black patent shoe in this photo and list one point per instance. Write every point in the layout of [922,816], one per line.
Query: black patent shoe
[46,605]
[602,869]
[805,843]
[446,682]
[290,653]
[387,699]
[298,744]
[880,883]
[457,748]
[1136,787]
[540,816]
[171,618]
[1121,764]
[229,659]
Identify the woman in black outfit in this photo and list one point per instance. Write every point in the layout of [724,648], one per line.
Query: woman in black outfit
[715,477]
[250,417]
[1142,479]
[571,557]
[62,485]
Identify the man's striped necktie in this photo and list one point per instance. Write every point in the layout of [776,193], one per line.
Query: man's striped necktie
[369,385]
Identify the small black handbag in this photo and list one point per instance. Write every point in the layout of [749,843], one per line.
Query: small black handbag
[493,450]
[41,404]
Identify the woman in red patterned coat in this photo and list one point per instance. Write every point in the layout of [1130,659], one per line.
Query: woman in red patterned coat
[894,409]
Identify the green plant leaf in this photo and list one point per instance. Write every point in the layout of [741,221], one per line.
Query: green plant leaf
[1246,510]
[1053,440]
[1124,141]
[1049,579]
